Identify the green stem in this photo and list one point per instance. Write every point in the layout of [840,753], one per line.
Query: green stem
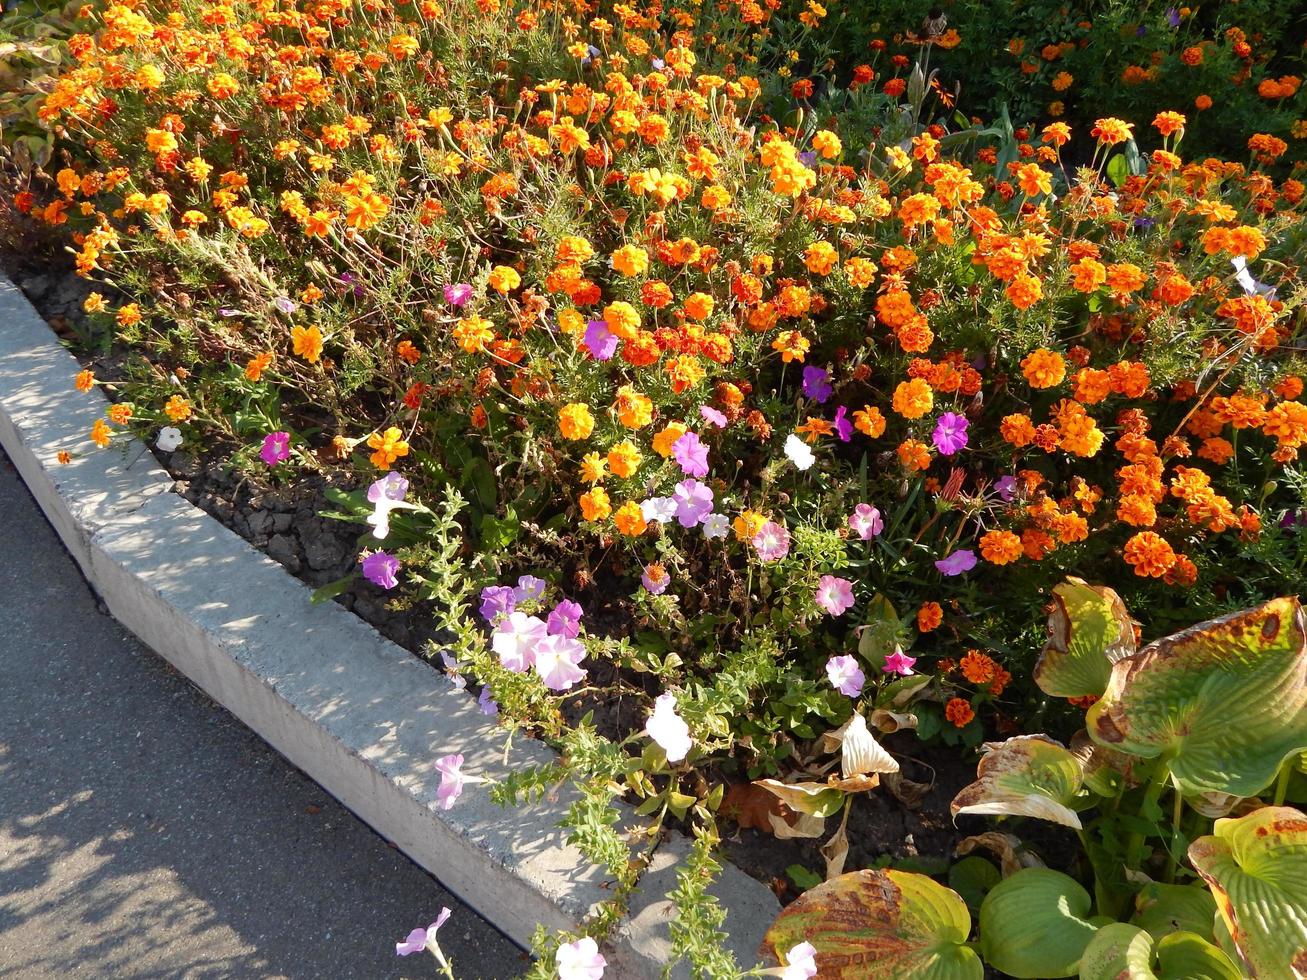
[1135,851]
[1282,783]
[1177,812]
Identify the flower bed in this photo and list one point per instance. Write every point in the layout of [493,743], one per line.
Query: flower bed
[717,417]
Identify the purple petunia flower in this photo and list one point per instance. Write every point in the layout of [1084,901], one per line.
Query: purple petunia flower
[457,294]
[379,568]
[285,304]
[950,433]
[962,560]
[691,455]
[529,587]
[1006,487]
[843,427]
[815,384]
[487,704]
[496,601]
[693,502]
[276,448]
[1173,16]
[565,619]
[418,939]
[599,340]
[392,485]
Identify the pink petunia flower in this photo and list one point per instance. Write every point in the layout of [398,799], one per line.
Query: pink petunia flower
[694,502]
[866,521]
[515,640]
[457,294]
[655,579]
[834,594]
[276,448]
[451,780]
[420,939]
[556,659]
[580,960]
[899,662]
[845,675]
[962,560]
[772,541]
[691,455]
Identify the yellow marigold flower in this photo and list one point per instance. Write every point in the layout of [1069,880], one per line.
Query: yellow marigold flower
[128,315]
[504,279]
[1043,368]
[630,260]
[94,303]
[748,524]
[306,342]
[120,414]
[100,433]
[913,398]
[222,86]
[630,519]
[595,505]
[387,447]
[624,459]
[633,409]
[664,440]
[177,408]
[792,345]
[820,258]
[827,144]
[623,319]
[257,364]
[473,333]
[860,271]
[699,306]
[575,421]
[592,468]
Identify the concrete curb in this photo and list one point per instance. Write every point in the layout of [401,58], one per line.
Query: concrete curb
[356,712]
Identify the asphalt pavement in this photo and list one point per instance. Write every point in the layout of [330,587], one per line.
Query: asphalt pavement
[144,832]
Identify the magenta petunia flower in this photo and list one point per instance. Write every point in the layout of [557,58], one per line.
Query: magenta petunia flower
[834,594]
[843,427]
[962,560]
[950,435]
[457,294]
[899,662]
[845,675]
[599,340]
[565,619]
[772,541]
[379,568]
[693,502]
[866,521]
[276,448]
[712,416]
[691,454]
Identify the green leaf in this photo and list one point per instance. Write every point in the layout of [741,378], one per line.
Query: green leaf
[1224,702]
[329,591]
[1088,631]
[1121,951]
[1161,909]
[1035,924]
[1118,169]
[1256,867]
[879,925]
[1028,776]
[878,638]
[802,877]
[973,878]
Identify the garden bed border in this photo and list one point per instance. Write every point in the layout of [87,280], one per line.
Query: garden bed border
[360,715]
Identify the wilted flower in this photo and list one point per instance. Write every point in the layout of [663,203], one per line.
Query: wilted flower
[420,939]
[800,962]
[843,427]
[1005,487]
[669,729]
[845,675]
[379,568]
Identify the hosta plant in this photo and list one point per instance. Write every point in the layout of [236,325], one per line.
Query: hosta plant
[1207,723]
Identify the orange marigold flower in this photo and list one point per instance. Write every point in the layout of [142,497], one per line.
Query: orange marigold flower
[306,342]
[177,408]
[1111,131]
[407,351]
[913,398]
[387,447]
[1149,554]
[629,519]
[84,381]
[1043,368]
[959,712]
[977,667]
[100,433]
[595,505]
[869,421]
[792,346]
[929,616]
[1000,547]
[914,455]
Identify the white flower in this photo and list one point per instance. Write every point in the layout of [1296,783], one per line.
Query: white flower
[798,452]
[556,659]
[515,641]
[716,526]
[800,962]
[669,729]
[1245,278]
[170,437]
[380,516]
[661,509]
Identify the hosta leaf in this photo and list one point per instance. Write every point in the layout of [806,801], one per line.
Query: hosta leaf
[1088,631]
[880,925]
[1256,867]
[1035,924]
[1028,776]
[1225,701]
[1121,951]
[1161,909]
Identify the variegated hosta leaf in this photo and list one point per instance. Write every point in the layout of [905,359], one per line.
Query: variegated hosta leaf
[1225,701]
[1011,853]
[1088,631]
[1035,925]
[879,925]
[1104,769]
[1161,909]
[1028,776]
[1256,867]
[816,799]
[1121,951]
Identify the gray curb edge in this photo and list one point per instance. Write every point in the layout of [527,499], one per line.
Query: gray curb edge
[357,713]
